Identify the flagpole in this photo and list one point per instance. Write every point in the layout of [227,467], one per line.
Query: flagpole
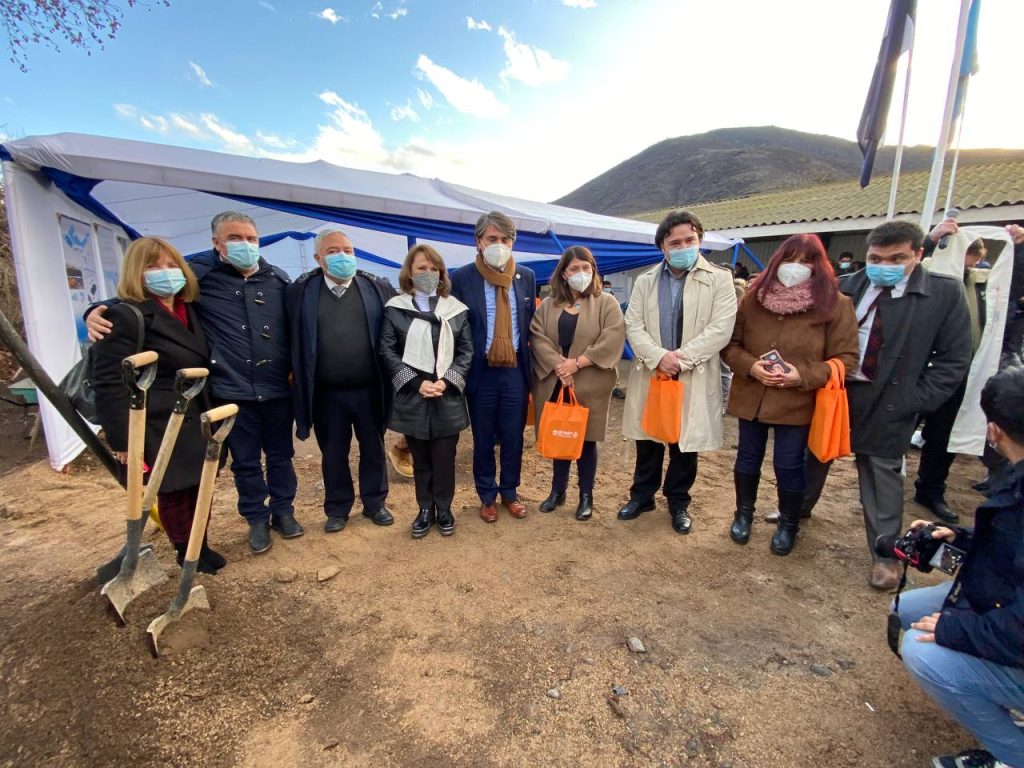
[939,158]
[956,152]
[903,125]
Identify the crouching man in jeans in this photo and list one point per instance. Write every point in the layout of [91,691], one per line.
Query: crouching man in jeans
[965,641]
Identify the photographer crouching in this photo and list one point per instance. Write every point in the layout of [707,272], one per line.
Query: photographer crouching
[964,641]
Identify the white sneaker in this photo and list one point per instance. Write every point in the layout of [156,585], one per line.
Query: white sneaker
[972,758]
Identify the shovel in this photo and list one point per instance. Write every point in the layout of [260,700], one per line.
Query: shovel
[188,383]
[190,597]
[139,569]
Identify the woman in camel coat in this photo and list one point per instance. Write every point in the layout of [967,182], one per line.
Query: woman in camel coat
[576,339]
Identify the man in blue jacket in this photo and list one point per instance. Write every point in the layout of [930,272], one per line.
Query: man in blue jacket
[500,297]
[335,312]
[241,307]
[965,640]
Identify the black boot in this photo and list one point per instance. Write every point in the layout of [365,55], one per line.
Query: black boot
[421,525]
[445,522]
[203,565]
[790,504]
[746,500]
[554,500]
[586,506]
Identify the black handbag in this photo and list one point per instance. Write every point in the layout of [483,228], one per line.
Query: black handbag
[76,384]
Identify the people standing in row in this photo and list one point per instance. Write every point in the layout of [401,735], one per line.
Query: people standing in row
[336,314]
[915,348]
[241,309]
[500,298]
[679,318]
[576,339]
[156,280]
[427,348]
[794,309]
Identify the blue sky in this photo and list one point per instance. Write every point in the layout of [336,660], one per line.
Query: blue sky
[528,97]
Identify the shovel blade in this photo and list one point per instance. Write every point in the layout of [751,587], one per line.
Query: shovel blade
[112,567]
[196,600]
[122,589]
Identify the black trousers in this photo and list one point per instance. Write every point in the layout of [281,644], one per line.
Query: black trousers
[935,459]
[433,465]
[586,468]
[679,478]
[337,413]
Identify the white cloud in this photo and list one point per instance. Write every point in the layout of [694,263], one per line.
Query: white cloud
[472,23]
[182,123]
[265,4]
[200,74]
[377,10]
[470,97]
[126,110]
[529,65]
[230,138]
[580,3]
[329,14]
[398,13]
[274,141]
[426,100]
[405,112]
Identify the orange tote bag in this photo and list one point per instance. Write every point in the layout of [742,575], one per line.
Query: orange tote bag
[563,427]
[662,413]
[829,438]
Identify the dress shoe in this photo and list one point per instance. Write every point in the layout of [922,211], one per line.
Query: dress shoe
[488,512]
[445,522]
[421,525]
[380,516]
[681,522]
[585,509]
[401,461]
[884,576]
[632,509]
[938,507]
[335,524]
[287,526]
[515,507]
[259,537]
[553,501]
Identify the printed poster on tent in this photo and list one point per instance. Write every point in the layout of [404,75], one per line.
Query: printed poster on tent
[76,239]
[110,259]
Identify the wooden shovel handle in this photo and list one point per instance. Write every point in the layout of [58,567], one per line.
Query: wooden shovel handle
[142,359]
[220,413]
[207,481]
[193,373]
[136,447]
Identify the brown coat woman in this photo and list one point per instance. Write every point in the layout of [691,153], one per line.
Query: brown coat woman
[576,339]
[794,308]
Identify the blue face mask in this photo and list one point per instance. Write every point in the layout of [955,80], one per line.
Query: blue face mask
[845,265]
[243,254]
[164,282]
[340,265]
[683,258]
[884,275]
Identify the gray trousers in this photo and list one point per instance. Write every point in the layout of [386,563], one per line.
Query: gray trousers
[881,494]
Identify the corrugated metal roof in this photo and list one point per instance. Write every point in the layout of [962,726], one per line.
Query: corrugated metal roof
[979,186]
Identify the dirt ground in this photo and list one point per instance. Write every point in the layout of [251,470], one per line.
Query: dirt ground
[499,646]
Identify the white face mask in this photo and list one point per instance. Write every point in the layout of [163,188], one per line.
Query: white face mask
[580,281]
[793,274]
[497,255]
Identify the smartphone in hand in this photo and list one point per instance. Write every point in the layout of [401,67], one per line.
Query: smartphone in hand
[775,363]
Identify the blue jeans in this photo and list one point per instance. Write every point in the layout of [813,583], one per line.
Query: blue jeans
[263,428]
[790,443]
[977,693]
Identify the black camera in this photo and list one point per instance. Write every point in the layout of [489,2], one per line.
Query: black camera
[916,547]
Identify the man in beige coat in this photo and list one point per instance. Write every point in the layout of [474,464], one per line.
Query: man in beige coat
[680,316]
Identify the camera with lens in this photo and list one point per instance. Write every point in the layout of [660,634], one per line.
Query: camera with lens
[916,547]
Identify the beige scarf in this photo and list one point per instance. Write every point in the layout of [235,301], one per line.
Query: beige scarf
[502,353]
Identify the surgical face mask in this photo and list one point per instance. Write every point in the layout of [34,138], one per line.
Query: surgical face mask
[243,254]
[793,274]
[580,281]
[497,255]
[845,265]
[164,282]
[683,258]
[885,275]
[340,265]
[426,282]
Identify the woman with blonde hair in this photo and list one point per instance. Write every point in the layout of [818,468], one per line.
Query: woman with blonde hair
[427,347]
[576,339]
[156,280]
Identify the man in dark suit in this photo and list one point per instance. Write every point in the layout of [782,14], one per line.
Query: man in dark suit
[335,313]
[500,297]
[915,349]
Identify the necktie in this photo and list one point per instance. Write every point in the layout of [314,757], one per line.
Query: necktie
[869,366]
[339,290]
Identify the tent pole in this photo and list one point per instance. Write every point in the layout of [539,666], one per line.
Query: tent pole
[9,336]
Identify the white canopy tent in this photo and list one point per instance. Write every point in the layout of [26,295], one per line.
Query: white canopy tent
[74,201]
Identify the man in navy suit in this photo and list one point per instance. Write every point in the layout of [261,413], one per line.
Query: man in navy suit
[500,297]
